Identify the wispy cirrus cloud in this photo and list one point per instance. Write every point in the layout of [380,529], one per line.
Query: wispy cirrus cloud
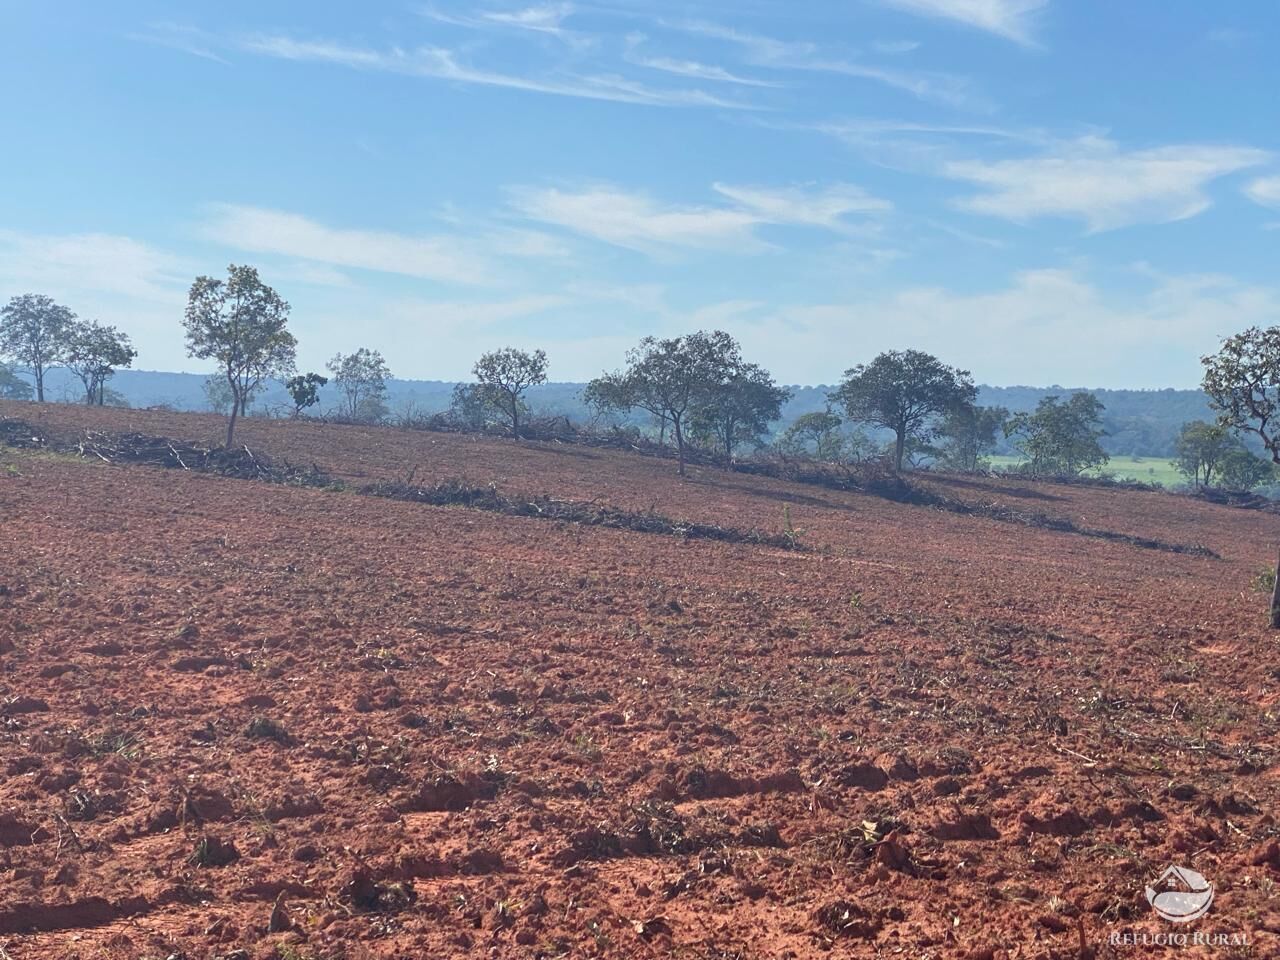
[1012,19]
[442,64]
[1094,180]
[636,221]
[548,19]
[181,37]
[764,51]
[687,68]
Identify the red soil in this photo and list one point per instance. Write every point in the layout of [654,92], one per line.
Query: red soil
[429,732]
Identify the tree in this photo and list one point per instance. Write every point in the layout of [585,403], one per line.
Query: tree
[13,387]
[304,390]
[241,323]
[740,407]
[93,352]
[1242,470]
[906,392]
[468,408]
[818,431]
[1243,383]
[1061,439]
[968,432]
[1201,448]
[362,377]
[668,378]
[34,331]
[504,375]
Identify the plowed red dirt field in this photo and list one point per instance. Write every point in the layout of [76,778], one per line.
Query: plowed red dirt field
[246,720]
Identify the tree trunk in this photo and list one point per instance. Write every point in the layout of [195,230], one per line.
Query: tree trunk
[515,422]
[899,446]
[231,422]
[675,424]
[1275,601]
[38,370]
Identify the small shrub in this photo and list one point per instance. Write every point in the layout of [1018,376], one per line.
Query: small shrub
[1265,580]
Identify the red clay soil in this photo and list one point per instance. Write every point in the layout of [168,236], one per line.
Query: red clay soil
[311,724]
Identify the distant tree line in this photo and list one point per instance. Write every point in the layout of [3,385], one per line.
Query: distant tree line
[698,391]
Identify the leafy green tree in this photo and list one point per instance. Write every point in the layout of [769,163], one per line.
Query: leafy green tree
[1201,448]
[1239,469]
[904,391]
[304,390]
[93,352]
[1243,383]
[817,433]
[1061,439]
[504,375]
[668,378]
[12,386]
[361,377]
[242,325]
[34,332]
[739,408]
[966,434]
[468,407]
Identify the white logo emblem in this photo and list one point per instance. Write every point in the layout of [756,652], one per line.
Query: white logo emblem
[1180,895]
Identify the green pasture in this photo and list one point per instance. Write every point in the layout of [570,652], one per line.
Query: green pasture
[1146,469]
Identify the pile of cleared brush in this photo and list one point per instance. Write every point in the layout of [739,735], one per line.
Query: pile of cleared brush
[137,448]
[487,497]
[240,463]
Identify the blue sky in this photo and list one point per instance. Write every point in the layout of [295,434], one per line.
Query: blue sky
[1042,191]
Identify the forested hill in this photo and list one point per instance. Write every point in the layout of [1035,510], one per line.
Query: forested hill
[1139,422]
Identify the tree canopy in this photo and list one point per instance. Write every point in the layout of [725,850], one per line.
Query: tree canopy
[12,386]
[242,325]
[304,390]
[1243,383]
[904,391]
[816,433]
[504,375]
[35,332]
[968,433]
[740,407]
[1201,448]
[93,353]
[361,378]
[670,378]
[1061,438]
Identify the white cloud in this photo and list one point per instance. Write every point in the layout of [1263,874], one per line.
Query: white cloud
[440,63]
[638,222]
[1045,326]
[260,230]
[1091,179]
[1011,19]
[635,221]
[92,263]
[1265,190]
[822,208]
